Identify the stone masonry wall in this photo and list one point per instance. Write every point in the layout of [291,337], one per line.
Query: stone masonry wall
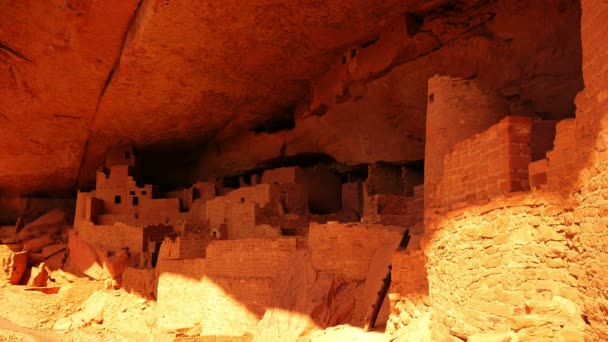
[112,237]
[333,280]
[347,249]
[558,170]
[456,109]
[534,260]
[260,258]
[529,266]
[488,164]
[409,294]
[591,186]
[187,297]
[228,291]
[500,270]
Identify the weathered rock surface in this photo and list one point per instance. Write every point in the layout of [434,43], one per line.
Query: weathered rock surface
[163,74]
[371,106]
[88,74]
[46,225]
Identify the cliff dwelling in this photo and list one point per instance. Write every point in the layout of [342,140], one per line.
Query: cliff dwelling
[266,170]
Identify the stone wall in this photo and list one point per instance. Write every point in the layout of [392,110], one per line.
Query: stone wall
[409,294]
[347,249]
[558,170]
[228,291]
[456,109]
[542,138]
[187,297]
[591,188]
[501,268]
[488,164]
[260,258]
[112,237]
[395,210]
[334,279]
[528,266]
[142,281]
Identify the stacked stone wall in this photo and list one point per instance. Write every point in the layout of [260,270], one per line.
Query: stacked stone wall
[500,269]
[590,264]
[347,249]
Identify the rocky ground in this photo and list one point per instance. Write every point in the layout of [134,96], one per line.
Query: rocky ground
[45,297]
[81,311]
[87,310]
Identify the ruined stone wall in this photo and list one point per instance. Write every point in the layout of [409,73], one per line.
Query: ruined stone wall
[187,297]
[193,246]
[347,249]
[542,137]
[292,284]
[396,210]
[142,281]
[385,179]
[488,164]
[352,197]
[261,194]
[409,294]
[524,271]
[528,266]
[112,237]
[260,258]
[558,170]
[591,188]
[283,175]
[456,110]
[501,269]
[228,291]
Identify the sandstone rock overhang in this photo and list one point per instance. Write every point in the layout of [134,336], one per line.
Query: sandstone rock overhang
[161,74]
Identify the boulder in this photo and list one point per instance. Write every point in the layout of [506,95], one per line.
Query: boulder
[84,258]
[36,245]
[47,224]
[12,266]
[53,249]
[94,262]
[38,276]
[92,310]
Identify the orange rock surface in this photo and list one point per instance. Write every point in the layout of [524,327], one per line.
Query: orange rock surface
[427,170]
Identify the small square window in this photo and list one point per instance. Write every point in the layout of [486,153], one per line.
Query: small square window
[144,192]
[132,192]
[117,199]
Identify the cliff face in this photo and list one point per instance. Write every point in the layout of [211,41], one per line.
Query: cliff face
[348,79]
[455,147]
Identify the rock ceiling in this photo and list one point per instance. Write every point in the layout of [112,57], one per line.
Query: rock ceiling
[79,75]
